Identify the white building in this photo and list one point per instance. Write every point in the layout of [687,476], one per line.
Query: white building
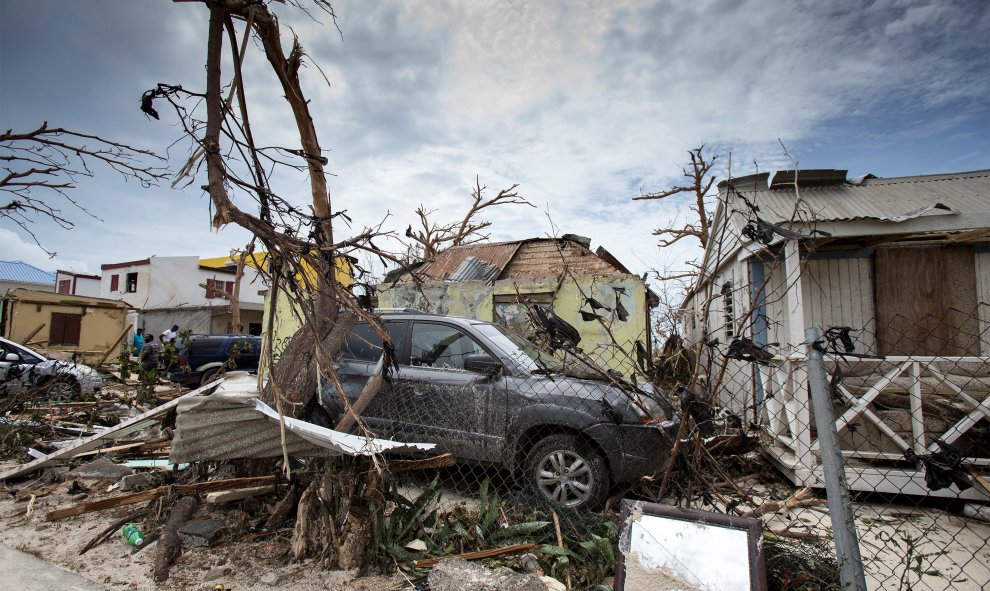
[72,283]
[170,290]
[905,263]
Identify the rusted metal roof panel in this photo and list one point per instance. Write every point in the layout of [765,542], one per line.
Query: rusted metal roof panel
[444,264]
[894,200]
[475,269]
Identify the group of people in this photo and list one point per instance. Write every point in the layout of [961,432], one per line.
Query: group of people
[149,352]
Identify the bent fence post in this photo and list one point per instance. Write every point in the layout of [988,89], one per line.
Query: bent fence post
[851,572]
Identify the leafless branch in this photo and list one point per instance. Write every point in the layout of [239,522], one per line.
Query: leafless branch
[432,237]
[41,166]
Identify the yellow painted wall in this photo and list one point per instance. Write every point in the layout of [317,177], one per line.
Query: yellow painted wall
[288,318]
[99,328]
[611,341]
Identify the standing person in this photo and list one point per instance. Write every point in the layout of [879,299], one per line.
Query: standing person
[150,354]
[138,342]
[168,346]
[169,335]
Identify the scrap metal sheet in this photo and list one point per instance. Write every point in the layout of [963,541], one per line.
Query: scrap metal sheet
[345,443]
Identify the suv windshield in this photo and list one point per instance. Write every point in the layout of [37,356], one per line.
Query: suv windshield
[522,351]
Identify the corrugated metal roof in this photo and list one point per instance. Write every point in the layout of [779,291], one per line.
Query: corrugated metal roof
[25,273]
[474,269]
[231,423]
[497,254]
[894,199]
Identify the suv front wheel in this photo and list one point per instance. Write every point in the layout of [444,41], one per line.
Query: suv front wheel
[567,472]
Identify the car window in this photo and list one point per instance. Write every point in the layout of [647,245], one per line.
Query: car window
[364,344]
[524,352]
[438,345]
[26,356]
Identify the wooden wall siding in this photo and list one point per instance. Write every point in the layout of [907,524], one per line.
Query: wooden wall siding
[983,298]
[926,301]
[839,292]
[541,258]
[778,317]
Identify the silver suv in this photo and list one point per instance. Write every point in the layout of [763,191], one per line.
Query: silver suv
[22,369]
[493,398]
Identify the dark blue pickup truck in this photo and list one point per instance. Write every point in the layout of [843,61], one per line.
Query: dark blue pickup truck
[203,356]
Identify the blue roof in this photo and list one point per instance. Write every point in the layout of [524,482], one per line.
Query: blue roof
[24,273]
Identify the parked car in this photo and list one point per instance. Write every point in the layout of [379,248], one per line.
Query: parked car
[490,397]
[22,369]
[203,356]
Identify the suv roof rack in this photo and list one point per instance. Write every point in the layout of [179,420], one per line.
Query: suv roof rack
[399,311]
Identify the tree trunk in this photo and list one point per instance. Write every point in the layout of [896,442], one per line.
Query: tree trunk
[170,545]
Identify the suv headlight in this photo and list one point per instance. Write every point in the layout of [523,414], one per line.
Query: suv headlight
[647,409]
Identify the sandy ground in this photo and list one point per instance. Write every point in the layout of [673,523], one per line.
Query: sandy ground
[954,550]
[113,564]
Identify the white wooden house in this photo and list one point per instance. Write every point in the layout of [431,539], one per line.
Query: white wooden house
[905,262]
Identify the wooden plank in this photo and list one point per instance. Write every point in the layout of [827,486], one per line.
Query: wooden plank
[226,496]
[479,555]
[862,403]
[148,495]
[917,412]
[982,297]
[97,440]
[873,418]
[959,391]
[33,333]
[114,345]
[926,301]
[964,424]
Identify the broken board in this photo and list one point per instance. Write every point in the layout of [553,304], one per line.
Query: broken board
[137,423]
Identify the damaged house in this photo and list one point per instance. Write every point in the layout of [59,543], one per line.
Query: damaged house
[497,282]
[904,264]
[185,290]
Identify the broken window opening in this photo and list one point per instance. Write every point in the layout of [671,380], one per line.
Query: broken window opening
[132,279]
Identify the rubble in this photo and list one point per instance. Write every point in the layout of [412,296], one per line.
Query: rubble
[200,532]
[457,574]
[100,469]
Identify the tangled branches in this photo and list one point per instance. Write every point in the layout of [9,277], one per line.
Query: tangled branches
[43,165]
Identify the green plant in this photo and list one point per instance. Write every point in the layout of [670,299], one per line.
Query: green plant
[800,565]
[922,564]
[586,561]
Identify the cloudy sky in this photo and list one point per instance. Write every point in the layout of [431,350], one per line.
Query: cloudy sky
[583,104]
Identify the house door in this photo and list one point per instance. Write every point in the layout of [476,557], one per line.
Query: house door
[926,301]
[65,329]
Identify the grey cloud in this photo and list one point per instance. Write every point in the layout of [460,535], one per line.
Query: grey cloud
[392,74]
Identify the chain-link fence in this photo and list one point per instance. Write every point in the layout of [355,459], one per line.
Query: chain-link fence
[913,433]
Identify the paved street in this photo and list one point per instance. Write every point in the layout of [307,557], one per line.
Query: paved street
[26,573]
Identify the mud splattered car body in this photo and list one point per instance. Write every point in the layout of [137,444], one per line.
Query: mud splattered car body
[22,369]
[489,397]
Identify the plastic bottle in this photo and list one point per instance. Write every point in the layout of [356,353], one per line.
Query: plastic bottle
[132,534]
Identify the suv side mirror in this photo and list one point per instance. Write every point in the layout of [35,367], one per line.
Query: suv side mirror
[12,357]
[481,363]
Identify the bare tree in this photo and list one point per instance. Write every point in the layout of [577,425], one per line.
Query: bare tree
[42,166]
[432,237]
[701,182]
[303,255]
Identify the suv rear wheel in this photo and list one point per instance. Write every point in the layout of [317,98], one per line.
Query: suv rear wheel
[568,472]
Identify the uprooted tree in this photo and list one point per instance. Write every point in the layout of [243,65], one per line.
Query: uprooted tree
[302,254]
[42,166]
